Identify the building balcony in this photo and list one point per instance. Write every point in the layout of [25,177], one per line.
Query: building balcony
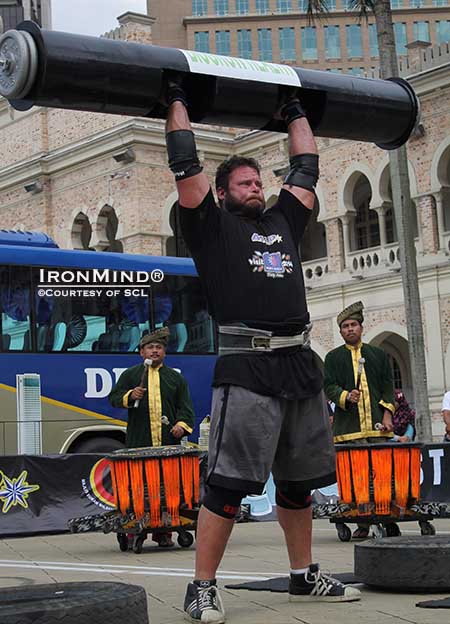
[315,271]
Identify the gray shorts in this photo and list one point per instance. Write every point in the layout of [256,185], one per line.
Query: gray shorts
[252,434]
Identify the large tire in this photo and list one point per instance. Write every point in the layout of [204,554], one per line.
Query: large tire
[98,444]
[405,563]
[74,603]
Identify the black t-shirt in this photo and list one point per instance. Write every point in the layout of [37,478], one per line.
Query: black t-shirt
[251,272]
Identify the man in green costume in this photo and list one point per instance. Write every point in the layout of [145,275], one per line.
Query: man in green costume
[160,410]
[364,400]
[358,380]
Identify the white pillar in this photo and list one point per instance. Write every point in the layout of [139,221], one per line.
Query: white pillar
[381,211]
[345,219]
[440,218]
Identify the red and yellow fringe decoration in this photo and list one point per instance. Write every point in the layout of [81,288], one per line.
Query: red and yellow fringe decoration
[196,471]
[171,475]
[344,476]
[187,478]
[153,478]
[401,473]
[415,473]
[137,488]
[121,485]
[382,480]
[360,475]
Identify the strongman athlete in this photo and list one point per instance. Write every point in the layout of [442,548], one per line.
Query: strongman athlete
[269,411]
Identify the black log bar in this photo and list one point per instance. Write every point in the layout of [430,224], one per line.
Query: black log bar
[62,70]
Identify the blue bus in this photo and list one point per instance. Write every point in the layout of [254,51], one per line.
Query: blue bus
[76,319]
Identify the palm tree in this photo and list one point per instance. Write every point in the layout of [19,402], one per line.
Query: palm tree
[403,210]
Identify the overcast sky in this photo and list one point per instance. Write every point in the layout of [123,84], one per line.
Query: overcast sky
[92,17]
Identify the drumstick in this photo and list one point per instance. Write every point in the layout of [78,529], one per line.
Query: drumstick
[147,362]
[361,363]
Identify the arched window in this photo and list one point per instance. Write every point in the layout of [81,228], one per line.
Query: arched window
[112,225]
[81,232]
[175,245]
[396,372]
[396,348]
[391,227]
[367,230]
[314,242]
[107,225]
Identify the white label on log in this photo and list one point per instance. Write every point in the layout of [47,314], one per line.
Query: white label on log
[242,69]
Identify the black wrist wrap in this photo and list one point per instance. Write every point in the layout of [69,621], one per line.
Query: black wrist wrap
[304,171]
[292,110]
[183,158]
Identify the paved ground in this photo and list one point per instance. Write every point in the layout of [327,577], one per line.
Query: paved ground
[255,551]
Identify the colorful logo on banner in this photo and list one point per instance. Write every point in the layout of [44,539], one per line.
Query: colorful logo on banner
[98,488]
[15,491]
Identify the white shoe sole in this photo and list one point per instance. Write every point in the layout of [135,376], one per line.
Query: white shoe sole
[309,598]
[188,618]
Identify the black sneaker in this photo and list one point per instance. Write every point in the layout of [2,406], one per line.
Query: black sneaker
[315,586]
[202,603]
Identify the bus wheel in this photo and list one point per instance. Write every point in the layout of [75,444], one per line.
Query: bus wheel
[98,444]
[72,603]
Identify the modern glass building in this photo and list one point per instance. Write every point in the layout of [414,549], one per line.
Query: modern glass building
[280,31]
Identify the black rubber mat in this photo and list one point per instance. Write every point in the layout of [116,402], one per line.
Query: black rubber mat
[444,603]
[280,583]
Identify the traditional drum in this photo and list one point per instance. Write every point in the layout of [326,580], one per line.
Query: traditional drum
[378,479]
[152,483]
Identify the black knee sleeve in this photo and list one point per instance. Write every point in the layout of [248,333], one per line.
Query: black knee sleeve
[223,502]
[289,497]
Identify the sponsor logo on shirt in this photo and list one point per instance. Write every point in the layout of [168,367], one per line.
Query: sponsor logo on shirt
[273,264]
[267,240]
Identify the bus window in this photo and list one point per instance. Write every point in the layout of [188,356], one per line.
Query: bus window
[179,303]
[15,308]
[101,323]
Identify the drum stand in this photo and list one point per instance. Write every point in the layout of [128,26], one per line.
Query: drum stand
[342,514]
[131,533]
[383,526]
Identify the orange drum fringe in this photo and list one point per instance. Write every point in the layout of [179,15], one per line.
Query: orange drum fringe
[114,484]
[146,483]
[360,474]
[171,475]
[401,472]
[196,467]
[137,488]
[122,482]
[415,473]
[382,480]
[344,476]
[152,476]
[187,477]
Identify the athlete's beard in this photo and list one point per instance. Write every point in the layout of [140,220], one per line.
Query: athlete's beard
[250,211]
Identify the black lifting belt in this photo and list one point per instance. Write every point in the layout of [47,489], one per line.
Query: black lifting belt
[304,171]
[183,158]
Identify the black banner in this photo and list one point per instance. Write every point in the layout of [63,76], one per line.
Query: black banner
[435,474]
[41,493]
